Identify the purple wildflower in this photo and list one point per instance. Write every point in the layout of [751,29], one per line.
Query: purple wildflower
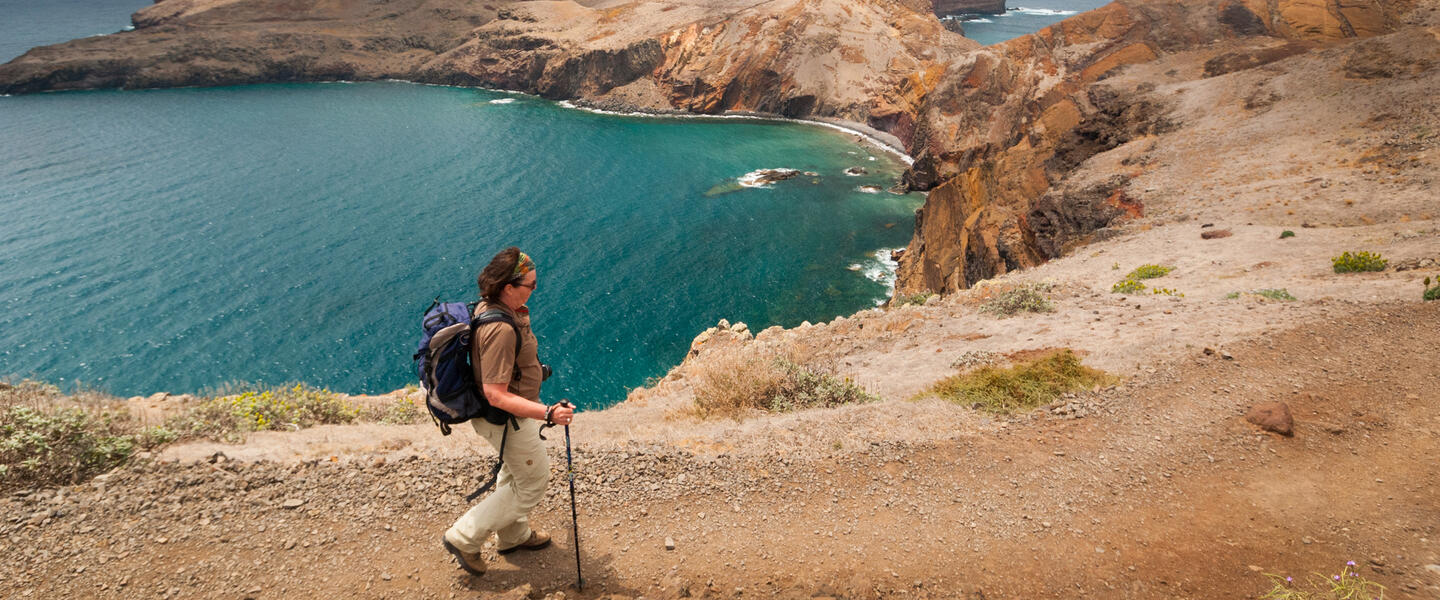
[1289,579]
[1350,562]
[1337,578]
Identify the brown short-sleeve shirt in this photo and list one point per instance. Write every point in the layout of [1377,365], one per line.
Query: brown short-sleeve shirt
[493,353]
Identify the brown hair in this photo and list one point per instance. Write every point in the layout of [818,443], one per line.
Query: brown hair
[500,271]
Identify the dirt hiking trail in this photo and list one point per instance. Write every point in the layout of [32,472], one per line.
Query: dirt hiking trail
[1162,491]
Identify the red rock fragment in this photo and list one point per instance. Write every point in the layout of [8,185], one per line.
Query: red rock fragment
[1272,416]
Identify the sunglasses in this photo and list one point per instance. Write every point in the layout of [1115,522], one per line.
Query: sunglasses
[530,285]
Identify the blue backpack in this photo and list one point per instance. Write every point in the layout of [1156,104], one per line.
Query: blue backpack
[442,361]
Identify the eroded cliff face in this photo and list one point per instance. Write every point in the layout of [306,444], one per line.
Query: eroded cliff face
[1005,125]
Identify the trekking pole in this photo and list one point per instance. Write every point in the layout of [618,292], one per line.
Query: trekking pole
[574,519]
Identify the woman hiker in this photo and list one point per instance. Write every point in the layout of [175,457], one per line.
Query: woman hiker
[511,383]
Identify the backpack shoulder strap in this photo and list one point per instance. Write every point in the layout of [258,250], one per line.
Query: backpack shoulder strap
[496,315]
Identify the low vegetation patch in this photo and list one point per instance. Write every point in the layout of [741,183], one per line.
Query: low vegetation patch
[1167,292]
[1022,386]
[1432,293]
[48,438]
[1127,286]
[229,418]
[1268,293]
[1348,584]
[917,298]
[738,382]
[397,411]
[974,358]
[1131,283]
[1287,234]
[1149,272]
[1358,262]
[1027,297]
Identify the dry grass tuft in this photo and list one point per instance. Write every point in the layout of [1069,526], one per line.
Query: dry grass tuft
[739,380]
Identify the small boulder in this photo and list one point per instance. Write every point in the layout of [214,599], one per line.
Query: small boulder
[1272,416]
[1215,234]
[292,503]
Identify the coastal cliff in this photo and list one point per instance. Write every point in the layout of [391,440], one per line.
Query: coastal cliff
[995,132]
[1006,125]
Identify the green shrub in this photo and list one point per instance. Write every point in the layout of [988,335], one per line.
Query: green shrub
[1020,387]
[51,438]
[917,298]
[229,418]
[63,446]
[1127,286]
[1358,262]
[1267,293]
[802,387]
[1432,293]
[1024,298]
[1348,584]
[1287,234]
[1149,272]
[1274,294]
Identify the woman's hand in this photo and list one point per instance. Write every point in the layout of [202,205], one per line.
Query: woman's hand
[562,414]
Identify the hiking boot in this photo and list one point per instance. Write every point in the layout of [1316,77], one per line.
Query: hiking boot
[473,563]
[538,539]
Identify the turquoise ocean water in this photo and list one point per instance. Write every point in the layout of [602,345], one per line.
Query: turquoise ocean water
[174,240]
[179,240]
[1024,16]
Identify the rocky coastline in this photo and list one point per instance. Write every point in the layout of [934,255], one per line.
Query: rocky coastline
[995,131]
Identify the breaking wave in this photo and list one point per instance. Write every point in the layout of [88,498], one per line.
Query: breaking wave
[1042,12]
[880,269]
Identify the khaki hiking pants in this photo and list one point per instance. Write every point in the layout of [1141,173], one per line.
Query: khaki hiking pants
[520,488]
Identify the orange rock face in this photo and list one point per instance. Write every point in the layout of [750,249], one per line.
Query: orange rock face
[1009,122]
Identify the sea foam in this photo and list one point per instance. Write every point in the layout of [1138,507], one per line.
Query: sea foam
[880,269]
[1042,12]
